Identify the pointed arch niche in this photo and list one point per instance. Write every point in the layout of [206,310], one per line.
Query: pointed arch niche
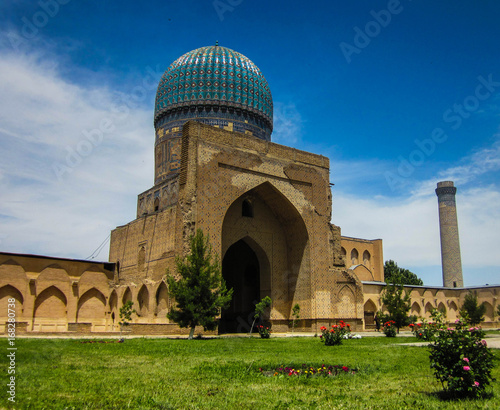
[264,255]
[92,308]
[7,292]
[369,312]
[162,302]
[50,313]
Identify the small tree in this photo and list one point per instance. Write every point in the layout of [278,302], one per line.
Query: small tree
[397,301]
[260,310]
[126,312]
[471,311]
[200,293]
[295,314]
[498,311]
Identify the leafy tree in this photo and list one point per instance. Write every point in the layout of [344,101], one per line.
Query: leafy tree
[498,310]
[397,301]
[391,269]
[295,314]
[126,312]
[470,310]
[260,310]
[200,293]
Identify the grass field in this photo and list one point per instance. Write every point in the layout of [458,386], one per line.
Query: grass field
[224,373]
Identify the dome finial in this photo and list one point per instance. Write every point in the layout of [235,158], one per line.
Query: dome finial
[216,43]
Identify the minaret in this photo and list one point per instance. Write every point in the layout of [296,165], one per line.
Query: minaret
[450,244]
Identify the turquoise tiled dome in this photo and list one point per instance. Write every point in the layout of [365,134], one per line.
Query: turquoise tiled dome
[221,84]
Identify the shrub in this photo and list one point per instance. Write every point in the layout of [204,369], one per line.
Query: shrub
[461,360]
[389,328]
[425,331]
[264,332]
[336,334]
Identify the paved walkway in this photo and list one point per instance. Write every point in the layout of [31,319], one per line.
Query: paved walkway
[493,340]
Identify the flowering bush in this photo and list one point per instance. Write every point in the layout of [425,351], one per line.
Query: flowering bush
[425,331]
[308,371]
[461,360]
[389,328]
[264,332]
[334,336]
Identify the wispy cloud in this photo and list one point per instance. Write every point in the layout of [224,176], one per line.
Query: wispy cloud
[409,225]
[287,124]
[44,119]
[470,168]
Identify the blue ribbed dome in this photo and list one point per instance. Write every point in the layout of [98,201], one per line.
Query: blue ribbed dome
[221,84]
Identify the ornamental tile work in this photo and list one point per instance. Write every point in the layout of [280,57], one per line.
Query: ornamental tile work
[214,75]
[213,85]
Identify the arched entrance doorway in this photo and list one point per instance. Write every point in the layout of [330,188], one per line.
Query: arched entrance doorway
[241,271]
[264,237]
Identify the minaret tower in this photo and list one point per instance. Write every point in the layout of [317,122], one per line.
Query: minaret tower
[450,244]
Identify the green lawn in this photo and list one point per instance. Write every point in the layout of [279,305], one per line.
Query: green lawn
[223,374]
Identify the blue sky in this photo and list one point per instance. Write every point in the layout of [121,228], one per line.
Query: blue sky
[398,94]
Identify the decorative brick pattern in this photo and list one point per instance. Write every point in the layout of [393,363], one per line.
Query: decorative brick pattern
[450,243]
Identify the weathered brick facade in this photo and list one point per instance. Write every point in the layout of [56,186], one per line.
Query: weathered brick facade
[289,231]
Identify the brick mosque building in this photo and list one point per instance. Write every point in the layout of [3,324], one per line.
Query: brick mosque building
[266,207]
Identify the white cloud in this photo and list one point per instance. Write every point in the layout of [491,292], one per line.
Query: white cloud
[71,164]
[287,124]
[410,230]
[481,162]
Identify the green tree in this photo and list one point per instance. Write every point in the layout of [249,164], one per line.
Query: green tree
[200,293]
[471,311]
[260,310]
[126,312]
[397,301]
[391,269]
[498,311]
[295,314]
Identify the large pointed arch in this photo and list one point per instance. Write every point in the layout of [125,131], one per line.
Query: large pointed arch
[275,235]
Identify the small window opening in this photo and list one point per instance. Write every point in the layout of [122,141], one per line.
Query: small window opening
[157,204]
[454,284]
[247,209]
